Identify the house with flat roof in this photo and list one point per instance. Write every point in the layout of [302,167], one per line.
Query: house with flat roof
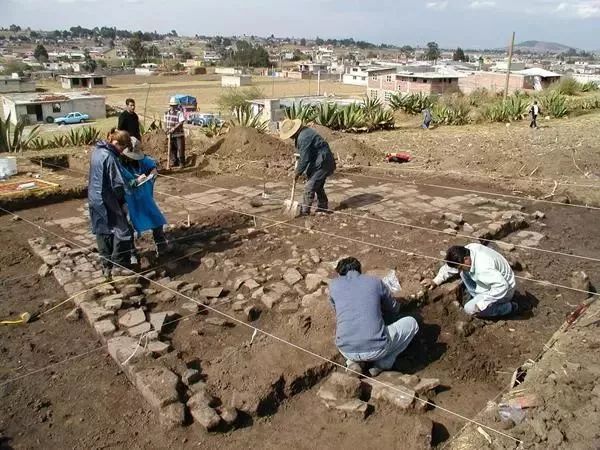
[385,81]
[82,81]
[45,107]
[15,83]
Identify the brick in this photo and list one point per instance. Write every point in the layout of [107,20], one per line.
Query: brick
[105,327]
[132,318]
[158,386]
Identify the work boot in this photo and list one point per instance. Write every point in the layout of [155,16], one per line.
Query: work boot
[354,369]
[107,273]
[374,371]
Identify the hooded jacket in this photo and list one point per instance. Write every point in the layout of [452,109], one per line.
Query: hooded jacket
[315,153]
[106,193]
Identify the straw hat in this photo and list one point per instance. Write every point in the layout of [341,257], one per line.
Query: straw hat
[134,152]
[289,128]
[173,101]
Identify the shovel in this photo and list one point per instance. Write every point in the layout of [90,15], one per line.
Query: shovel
[290,207]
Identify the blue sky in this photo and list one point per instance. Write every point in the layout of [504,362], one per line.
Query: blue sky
[468,23]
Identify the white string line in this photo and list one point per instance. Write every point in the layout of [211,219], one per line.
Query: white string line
[474,174]
[541,282]
[517,197]
[81,355]
[381,220]
[279,339]
[415,227]
[285,223]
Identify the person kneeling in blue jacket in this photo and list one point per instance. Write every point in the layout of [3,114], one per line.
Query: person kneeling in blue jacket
[360,303]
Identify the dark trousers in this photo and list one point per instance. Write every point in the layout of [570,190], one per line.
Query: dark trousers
[177,151]
[113,251]
[533,123]
[315,186]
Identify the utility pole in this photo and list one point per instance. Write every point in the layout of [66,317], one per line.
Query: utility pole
[510,54]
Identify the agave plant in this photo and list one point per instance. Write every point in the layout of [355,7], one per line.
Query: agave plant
[59,141]
[15,140]
[243,117]
[555,104]
[39,143]
[350,117]
[156,124]
[411,103]
[306,113]
[214,129]
[327,115]
[590,86]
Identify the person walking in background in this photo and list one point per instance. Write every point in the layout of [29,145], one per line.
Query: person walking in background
[174,120]
[535,112]
[427,118]
[106,200]
[316,162]
[129,120]
[139,172]
[364,306]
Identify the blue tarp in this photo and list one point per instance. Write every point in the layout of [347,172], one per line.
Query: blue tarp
[183,99]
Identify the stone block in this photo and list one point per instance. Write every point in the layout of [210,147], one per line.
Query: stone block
[251,284]
[166,296]
[74,288]
[158,386]
[289,308]
[157,320]
[400,397]
[105,327]
[138,330]
[211,292]
[270,300]
[191,376]
[354,406]
[202,412]
[132,318]
[426,385]
[313,281]
[292,276]
[114,304]
[172,416]
[229,415]
[339,387]
[93,312]
[130,290]
[44,270]
[122,348]
[74,315]
[158,348]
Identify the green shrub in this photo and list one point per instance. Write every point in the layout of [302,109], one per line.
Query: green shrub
[411,103]
[567,86]
[590,86]
[326,114]
[514,108]
[243,117]
[13,139]
[452,110]
[306,113]
[232,98]
[554,104]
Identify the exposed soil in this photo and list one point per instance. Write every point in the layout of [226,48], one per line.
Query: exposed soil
[62,408]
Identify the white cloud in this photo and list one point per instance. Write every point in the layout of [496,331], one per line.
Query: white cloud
[438,5]
[482,4]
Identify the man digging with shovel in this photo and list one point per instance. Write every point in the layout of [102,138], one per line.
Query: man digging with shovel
[316,162]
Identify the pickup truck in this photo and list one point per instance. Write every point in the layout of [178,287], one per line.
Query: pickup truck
[205,120]
[74,117]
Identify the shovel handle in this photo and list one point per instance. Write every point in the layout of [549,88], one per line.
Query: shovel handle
[168,151]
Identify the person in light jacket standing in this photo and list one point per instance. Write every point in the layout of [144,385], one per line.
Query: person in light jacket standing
[487,277]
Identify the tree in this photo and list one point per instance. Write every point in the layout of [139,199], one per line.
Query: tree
[319,41]
[407,50]
[40,53]
[303,42]
[89,64]
[249,55]
[433,51]
[173,33]
[458,55]
[14,28]
[136,48]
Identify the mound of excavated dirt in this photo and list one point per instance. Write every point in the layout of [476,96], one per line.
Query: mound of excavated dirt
[352,151]
[154,144]
[249,144]
[326,133]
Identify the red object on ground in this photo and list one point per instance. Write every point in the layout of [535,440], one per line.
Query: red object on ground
[398,157]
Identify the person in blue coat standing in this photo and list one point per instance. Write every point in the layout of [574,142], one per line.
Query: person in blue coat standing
[139,172]
[316,162]
[106,202]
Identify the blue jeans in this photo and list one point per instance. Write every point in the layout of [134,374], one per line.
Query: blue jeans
[400,334]
[498,308]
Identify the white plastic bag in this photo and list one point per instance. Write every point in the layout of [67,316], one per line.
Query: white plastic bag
[392,282]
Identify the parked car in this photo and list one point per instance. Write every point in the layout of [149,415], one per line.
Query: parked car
[74,117]
[204,120]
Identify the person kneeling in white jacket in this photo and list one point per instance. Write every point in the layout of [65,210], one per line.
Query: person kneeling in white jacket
[487,276]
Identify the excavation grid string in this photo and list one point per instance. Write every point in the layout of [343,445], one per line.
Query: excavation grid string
[274,337]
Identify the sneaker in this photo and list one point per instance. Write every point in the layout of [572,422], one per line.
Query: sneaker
[374,371]
[516,308]
[107,273]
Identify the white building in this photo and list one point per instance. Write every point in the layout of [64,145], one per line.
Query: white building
[210,56]
[15,83]
[236,80]
[45,107]
[357,76]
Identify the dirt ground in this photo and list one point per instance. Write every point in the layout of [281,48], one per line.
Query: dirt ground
[61,408]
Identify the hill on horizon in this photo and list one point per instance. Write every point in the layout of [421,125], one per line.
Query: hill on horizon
[542,47]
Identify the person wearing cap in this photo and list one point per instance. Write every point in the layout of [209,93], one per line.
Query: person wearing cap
[174,120]
[139,172]
[369,330]
[106,202]
[316,163]
[129,120]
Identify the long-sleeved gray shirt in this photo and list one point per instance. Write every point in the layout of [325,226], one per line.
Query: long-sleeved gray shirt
[360,302]
[314,153]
